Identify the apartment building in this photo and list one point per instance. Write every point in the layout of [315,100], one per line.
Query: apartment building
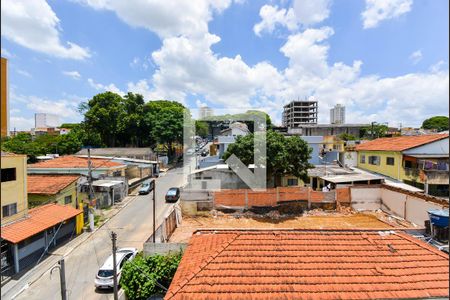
[298,113]
[337,114]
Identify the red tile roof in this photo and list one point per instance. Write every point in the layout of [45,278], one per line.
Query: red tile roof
[309,264]
[400,143]
[75,162]
[37,220]
[49,184]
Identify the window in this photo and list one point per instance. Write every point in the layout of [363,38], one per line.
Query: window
[374,160]
[390,161]
[67,199]
[363,159]
[292,182]
[8,174]
[10,209]
[408,164]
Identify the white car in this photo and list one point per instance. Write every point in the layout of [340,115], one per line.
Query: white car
[104,278]
[190,151]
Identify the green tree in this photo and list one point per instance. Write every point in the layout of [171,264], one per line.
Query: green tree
[201,128]
[132,127]
[285,155]
[165,120]
[374,132]
[347,137]
[103,114]
[440,123]
[143,277]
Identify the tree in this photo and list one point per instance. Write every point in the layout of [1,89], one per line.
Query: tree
[440,123]
[201,128]
[375,131]
[347,137]
[285,155]
[103,114]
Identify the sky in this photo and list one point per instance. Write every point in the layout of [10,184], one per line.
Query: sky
[387,61]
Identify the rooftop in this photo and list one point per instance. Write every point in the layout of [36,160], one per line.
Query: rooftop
[119,151]
[74,162]
[309,264]
[399,143]
[49,184]
[38,220]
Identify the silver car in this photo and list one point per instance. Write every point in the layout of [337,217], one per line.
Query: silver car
[104,278]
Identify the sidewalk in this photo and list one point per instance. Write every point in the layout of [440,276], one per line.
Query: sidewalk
[23,280]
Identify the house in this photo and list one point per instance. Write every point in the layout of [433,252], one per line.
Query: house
[420,161]
[309,264]
[25,241]
[144,153]
[14,200]
[228,136]
[70,164]
[51,188]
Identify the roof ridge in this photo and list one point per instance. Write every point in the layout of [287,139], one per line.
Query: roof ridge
[208,260]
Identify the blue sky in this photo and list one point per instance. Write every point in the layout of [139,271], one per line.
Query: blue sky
[385,60]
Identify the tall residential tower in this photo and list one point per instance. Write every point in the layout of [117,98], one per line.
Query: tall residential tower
[337,114]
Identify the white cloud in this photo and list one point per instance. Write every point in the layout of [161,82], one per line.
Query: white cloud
[165,18]
[34,25]
[271,16]
[105,88]
[23,73]
[416,56]
[73,74]
[21,123]
[6,53]
[438,67]
[303,12]
[311,12]
[379,10]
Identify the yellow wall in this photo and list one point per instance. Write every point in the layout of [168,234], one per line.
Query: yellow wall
[15,191]
[4,99]
[396,171]
[39,199]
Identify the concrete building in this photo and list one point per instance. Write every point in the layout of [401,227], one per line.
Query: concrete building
[69,164]
[420,161]
[14,200]
[228,136]
[298,113]
[144,153]
[48,188]
[205,112]
[326,129]
[44,120]
[4,99]
[337,114]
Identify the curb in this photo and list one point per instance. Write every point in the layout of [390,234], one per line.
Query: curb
[31,282]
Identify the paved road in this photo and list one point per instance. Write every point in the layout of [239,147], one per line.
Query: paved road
[133,225]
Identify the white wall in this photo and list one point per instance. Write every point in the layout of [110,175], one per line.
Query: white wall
[365,198]
[393,202]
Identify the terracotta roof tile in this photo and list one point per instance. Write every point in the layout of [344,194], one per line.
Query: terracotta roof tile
[70,161]
[49,184]
[400,143]
[38,219]
[309,264]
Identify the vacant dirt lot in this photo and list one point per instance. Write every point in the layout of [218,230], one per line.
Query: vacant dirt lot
[313,220]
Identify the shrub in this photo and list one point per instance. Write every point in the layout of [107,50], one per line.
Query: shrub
[144,276]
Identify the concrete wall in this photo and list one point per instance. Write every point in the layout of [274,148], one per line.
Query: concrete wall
[363,198]
[349,158]
[15,191]
[393,202]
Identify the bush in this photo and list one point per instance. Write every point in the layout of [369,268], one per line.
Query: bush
[143,276]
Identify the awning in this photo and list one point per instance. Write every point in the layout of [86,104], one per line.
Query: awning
[428,155]
[37,220]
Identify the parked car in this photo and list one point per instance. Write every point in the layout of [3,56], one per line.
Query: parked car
[173,194]
[104,278]
[147,187]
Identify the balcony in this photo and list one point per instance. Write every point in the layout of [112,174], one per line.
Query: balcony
[437,176]
[412,172]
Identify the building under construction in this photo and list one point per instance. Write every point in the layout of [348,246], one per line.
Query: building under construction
[298,113]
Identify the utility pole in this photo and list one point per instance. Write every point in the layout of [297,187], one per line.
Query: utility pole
[90,194]
[113,239]
[62,277]
[154,211]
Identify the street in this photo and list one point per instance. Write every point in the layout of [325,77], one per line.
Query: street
[133,225]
